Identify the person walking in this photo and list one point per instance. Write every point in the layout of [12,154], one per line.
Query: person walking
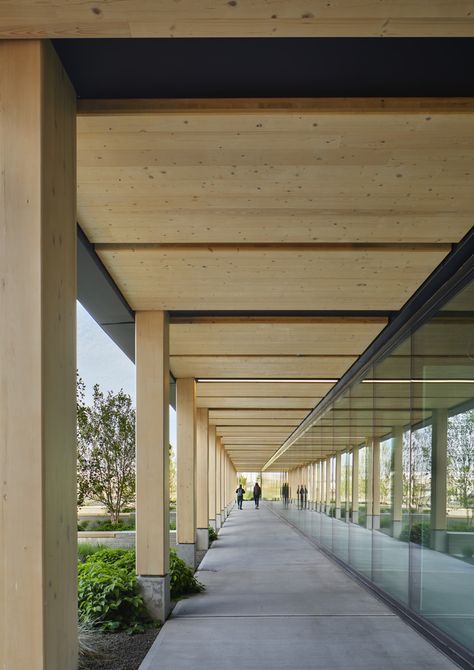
[257,492]
[240,495]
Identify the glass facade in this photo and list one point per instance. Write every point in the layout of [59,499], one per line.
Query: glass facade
[393,462]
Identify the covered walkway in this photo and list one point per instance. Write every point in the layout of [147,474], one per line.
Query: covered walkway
[274,601]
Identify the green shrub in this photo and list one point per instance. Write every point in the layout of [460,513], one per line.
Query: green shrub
[109,526]
[86,549]
[212,534]
[182,578]
[173,524]
[108,592]
[418,533]
[83,525]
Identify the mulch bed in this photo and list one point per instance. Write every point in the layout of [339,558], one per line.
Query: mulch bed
[119,651]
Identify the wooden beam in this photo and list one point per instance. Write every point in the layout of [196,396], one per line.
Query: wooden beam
[256,18]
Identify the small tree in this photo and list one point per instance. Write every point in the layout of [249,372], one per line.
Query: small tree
[106,449]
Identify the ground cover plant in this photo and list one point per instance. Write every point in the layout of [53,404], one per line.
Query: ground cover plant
[108,594]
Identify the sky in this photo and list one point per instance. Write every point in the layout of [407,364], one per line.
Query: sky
[100,361]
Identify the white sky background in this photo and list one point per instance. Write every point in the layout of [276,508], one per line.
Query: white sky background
[100,361]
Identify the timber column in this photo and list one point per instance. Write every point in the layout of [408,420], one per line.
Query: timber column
[212,476]
[397,481]
[439,455]
[186,471]
[219,519]
[152,540]
[202,480]
[38,514]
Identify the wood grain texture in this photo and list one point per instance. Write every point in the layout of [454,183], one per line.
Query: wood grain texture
[216,279]
[242,171]
[245,18]
[297,337]
[152,435]
[38,514]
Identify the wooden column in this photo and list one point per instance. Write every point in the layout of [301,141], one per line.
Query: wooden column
[212,476]
[355,485]
[373,503]
[152,459]
[38,515]
[202,479]
[219,519]
[397,481]
[328,484]
[338,485]
[186,470]
[439,456]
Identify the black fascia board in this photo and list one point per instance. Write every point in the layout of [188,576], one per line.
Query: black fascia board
[100,296]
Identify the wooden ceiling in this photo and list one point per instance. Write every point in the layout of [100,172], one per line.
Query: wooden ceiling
[235,18]
[277,209]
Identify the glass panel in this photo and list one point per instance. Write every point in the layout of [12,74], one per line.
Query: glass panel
[443,458]
[392,420]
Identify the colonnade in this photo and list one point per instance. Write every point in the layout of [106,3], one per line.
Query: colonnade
[204,472]
[38,513]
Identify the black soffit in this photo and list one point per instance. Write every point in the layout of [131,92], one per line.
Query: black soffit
[269,67]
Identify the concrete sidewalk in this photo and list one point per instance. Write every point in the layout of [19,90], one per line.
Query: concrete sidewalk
[274,601]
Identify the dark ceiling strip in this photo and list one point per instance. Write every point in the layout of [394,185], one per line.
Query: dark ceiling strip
[275,246]
[453,273]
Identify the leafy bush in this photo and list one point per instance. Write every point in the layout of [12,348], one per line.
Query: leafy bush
[108,592]
[83,525]
[173,524]
[120,525]
[182,578]
[418,533]
[86,549]
[109,596]
[212,534]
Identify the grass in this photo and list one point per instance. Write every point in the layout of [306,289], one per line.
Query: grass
[86,549]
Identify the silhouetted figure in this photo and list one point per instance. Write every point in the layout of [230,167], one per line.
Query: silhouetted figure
[257,492]
[305,494]
[298,497]
[240,495]
[301,496]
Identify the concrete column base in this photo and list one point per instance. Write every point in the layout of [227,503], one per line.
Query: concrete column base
[439,540]
[212,524]
[218,521]
[396,529]
[338,512]
[202,539]
[188,553]
[355,518]
[155,592]
[376,522]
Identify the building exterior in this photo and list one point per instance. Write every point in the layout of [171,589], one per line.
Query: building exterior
[293,254]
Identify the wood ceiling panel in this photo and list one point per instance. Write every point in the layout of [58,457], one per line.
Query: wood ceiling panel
[261,389]
[246,18]
[260,366]
[291,424]
[316,336]
[304,405]
[218,416]
[268,279]
[276,171]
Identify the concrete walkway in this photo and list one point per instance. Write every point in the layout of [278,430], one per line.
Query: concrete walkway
[273,601]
